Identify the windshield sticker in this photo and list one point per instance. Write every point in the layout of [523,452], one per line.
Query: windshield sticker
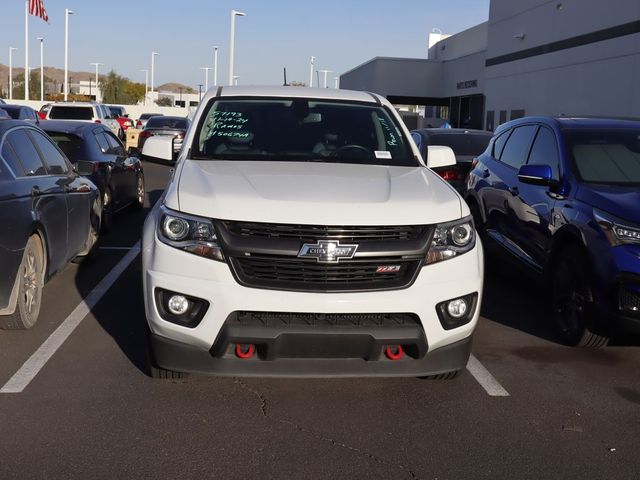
[390,137]
[383,155]
[227,124]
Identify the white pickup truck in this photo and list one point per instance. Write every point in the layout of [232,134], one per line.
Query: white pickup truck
[302,234]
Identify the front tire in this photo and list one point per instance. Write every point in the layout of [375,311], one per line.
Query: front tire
[30,280]
[156,371]
[572,300]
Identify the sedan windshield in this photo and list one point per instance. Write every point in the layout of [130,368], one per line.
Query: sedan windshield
[301,130]
[606,156]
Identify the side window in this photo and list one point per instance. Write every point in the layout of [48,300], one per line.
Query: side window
[26,152]
[102,142]
[114,144]
[545,151]
[498,144]
[10,157]
[516,150]
[50,154]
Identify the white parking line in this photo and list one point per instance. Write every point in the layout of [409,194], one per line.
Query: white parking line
[485,379]
[31,367]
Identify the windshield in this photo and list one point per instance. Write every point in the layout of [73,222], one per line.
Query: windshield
[463,143]
[300,130]
[71,113]
[606,156]
[71,145]
[168,122]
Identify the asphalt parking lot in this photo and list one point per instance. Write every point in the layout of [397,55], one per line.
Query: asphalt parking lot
[75,401]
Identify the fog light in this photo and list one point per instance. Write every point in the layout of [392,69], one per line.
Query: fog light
[178,304]
[457,308]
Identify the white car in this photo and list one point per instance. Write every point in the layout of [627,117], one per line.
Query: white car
[302,234]
[86,112]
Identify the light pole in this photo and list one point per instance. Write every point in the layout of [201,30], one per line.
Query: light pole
[325,72]
[313,62]
[41,68]
[153,70]
[11,50]
[146,84]
[200,92]
[206,77]
[232,41]
[215,66]
[97,65]
[67,12]
[235,79]
[337,82]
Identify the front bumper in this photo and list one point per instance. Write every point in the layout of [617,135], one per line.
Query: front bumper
[198,349]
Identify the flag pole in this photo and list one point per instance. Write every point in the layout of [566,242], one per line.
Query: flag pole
[26,50]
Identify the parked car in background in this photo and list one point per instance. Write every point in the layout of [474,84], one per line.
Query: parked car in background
[111,122]
[466,145]
[53,215]
[99,155]
[121,115]
[175,127]
[84,111]
[144,118]
[21,112]
[562,196]
[44,109]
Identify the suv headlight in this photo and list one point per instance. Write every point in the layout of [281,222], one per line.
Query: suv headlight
[617,231]
[451,239]
[189,233]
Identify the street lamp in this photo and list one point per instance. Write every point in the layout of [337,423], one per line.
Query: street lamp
[153,68]
[97,65]
[325,72]
[215,66]
[206,77]
[235,79]
[313,62]
[232,41]
[337,82]
[67,12]
[11,50]
[146,84]
[200,92]
[41,68]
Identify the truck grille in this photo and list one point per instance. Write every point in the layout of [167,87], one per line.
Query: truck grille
[292,273]
[307,233]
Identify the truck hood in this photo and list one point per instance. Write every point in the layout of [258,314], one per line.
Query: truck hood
[313,193]
[621,201]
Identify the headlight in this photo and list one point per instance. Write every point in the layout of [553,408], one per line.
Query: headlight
[451,239]
[617,231]
[189,233]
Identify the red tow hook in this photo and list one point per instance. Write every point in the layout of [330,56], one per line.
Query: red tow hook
[394,352]
[245,351]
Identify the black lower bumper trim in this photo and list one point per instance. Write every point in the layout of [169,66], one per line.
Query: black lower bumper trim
[181,357]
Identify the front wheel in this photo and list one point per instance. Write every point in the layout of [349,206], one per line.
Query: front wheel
[30,279]
[572,300]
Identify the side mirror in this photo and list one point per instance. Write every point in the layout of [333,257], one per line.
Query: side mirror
[158,146]
[440,156]
[84,167]
[536,175]
[134,152]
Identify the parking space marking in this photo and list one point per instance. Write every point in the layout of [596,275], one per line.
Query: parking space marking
[34,364]
[485,379]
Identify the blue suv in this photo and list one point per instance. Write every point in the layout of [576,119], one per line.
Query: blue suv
[562,195]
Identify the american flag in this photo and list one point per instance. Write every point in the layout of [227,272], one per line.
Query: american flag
[36,8]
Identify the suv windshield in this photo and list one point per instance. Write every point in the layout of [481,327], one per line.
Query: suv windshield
[59,112]
[606,156]
[300,130]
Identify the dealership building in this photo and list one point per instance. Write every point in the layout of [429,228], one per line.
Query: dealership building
[532,57]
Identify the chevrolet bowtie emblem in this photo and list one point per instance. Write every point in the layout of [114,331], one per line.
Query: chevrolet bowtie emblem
[327,251]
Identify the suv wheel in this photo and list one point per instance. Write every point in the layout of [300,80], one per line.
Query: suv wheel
[572,300]
[30,280]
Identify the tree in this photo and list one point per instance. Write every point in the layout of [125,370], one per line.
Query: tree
[164,102]
[34,85]
[118,89]
[297,83]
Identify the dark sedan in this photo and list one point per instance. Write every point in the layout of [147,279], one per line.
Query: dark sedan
[50,216]
[466,145]
[175,127]
[21,112]
[99,154]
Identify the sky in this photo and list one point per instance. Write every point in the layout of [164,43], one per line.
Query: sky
[341,34]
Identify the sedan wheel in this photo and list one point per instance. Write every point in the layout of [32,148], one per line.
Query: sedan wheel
[30,280]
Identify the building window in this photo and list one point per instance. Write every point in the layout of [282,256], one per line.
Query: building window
[503,116]
[517,114]
[490,121]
